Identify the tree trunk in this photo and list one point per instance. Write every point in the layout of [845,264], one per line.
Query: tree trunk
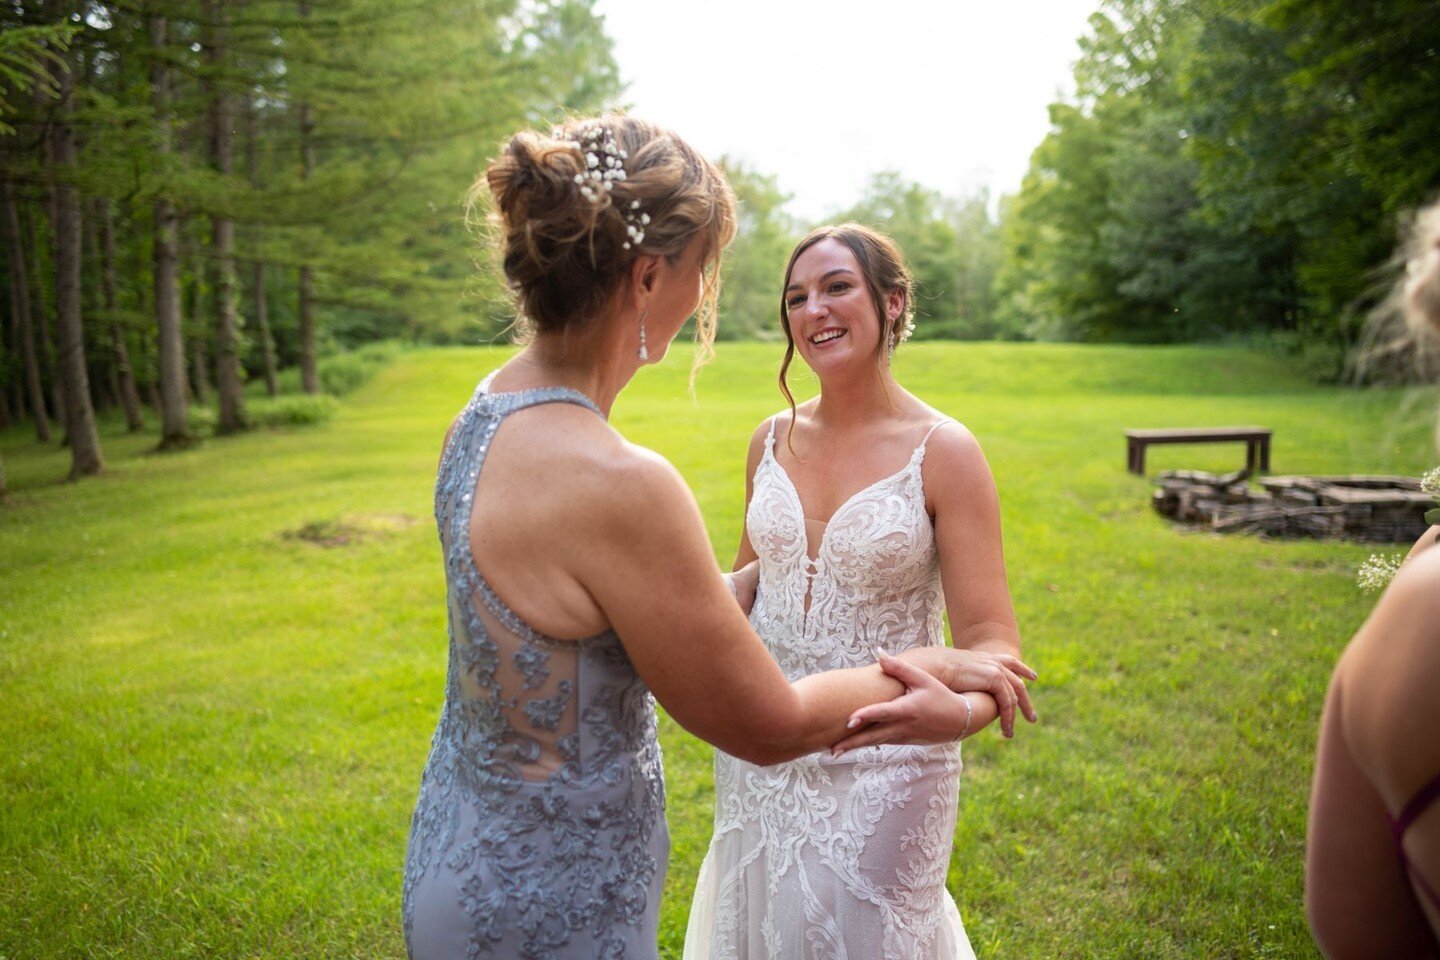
[129,396]
[309,376]
[199,372]
[85,457]
[14,399]
[45,332]
[17,381]
[199,355]
[20,309]
[262,320]
[257,276]
[103,389]
[101,368]
[228,381]
[174,406]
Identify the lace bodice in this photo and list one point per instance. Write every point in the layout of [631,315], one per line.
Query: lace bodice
[539,831]
[823,858]
[873,581]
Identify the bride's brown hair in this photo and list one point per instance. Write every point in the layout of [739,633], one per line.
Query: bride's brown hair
[564,255]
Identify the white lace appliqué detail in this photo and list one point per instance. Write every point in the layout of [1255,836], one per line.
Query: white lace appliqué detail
[819,858]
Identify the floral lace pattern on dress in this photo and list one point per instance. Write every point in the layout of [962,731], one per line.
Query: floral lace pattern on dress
[819,858]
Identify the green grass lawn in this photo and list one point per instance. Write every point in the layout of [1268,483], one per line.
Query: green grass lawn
[213,730]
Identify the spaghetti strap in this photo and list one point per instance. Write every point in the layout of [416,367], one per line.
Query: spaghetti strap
[1423,799]
[938,424]
[1418,804]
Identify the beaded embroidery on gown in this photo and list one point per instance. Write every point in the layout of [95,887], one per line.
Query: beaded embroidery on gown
[824,859]
[540,831]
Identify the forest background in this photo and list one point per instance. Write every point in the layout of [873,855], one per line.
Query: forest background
[198,194]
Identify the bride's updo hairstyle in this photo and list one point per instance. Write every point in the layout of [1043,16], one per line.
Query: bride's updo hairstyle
[567,237]
[883,267]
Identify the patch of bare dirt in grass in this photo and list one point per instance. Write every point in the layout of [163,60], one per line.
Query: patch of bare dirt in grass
[350,530]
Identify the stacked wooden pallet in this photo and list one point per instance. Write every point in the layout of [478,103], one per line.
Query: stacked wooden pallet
[1376,509]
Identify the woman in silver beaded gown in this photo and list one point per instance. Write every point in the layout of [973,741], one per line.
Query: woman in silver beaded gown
[539,831]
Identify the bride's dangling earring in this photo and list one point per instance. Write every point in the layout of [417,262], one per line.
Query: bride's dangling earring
[642,353]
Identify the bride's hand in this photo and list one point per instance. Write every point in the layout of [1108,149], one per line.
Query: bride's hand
[1001,675]
[744,583]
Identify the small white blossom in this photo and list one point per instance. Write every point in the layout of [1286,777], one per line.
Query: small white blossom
[1376,573]
[1430,483]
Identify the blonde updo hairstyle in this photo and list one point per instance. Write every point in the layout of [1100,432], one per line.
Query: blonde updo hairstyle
[883,268]
[564,255]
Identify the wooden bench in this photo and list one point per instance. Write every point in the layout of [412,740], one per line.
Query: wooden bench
[1256,439]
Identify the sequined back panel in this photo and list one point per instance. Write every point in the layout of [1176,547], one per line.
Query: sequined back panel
[539,829]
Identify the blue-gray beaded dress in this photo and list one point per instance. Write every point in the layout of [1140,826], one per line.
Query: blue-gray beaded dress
[540,828]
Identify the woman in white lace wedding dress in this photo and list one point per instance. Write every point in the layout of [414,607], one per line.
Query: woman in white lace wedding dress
[845,854]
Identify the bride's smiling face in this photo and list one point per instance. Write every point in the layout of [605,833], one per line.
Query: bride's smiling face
[831,313]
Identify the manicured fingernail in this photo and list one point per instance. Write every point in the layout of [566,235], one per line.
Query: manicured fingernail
[854,722]
[836,753]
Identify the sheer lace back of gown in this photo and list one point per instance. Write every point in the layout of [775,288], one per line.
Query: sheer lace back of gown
[539,829]
[818,858]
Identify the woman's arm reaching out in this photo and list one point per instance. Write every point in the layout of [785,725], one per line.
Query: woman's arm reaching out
[649,566]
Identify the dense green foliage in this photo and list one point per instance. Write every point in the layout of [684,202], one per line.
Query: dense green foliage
[1229,166]
[313,155]
[952,247]
[248,188]
[755,264]
[222,668]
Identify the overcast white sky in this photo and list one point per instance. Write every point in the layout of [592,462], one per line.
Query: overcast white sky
[823,93]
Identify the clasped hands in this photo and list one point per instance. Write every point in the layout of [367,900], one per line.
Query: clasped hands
[944,689]
[934,708]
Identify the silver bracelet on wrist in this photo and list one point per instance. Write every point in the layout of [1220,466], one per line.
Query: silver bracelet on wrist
[969,714]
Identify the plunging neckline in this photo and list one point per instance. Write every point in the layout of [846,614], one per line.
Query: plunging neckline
[795,493]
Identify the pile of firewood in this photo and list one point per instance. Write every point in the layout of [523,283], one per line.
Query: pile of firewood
[1376,509]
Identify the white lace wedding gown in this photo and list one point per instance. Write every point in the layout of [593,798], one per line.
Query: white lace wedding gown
[826,859]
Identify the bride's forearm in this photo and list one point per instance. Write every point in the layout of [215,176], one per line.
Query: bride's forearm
[823,705]
[983,712]
[988,637]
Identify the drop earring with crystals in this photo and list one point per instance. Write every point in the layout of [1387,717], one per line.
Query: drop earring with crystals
[642,353]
